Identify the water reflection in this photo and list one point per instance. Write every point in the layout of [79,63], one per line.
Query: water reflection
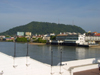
[80,53]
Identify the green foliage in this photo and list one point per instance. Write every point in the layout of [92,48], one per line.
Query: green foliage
[34,38]
[23,39]
[7,36]
[43,28]
[52,37]
[10,41]
[39,40]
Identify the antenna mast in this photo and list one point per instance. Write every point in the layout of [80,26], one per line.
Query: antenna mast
[73,22]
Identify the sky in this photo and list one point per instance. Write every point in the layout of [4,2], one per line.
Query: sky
[82,13]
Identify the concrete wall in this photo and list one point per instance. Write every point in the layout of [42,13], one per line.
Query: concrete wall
[20,67]
[28,66]
[81,65]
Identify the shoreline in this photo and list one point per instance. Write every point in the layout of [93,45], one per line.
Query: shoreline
[34,43]
[37,43]
[95,46]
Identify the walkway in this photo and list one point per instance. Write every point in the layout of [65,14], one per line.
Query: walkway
[88,72]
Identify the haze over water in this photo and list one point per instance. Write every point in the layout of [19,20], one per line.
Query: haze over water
[43,53]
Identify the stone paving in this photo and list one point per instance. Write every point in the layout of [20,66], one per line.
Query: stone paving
[88,72]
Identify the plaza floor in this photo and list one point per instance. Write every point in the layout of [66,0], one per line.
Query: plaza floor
[88,72]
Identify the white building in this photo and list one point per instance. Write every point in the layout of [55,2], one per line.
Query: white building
[52,34]
[28,33]
[72,39]
[46,38]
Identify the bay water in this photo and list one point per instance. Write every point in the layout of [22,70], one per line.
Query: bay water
[42,53]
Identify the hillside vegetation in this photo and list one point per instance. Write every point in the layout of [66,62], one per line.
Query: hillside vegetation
[43,28]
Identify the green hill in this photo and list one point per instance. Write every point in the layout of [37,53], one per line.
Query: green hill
[43,28]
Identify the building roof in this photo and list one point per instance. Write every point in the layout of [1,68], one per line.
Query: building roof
[62,34]
[98,34]
[94,32]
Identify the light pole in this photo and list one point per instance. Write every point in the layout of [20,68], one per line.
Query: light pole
[27,56]
[60,60]
[51,61]
[14,65]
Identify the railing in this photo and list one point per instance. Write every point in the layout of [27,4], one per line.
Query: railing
[92,38]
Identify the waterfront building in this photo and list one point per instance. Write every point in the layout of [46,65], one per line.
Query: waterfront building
[92,37]
[61,37]
[73,39]
[77,39]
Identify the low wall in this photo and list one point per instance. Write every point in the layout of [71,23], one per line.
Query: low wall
[83,68]
[81,65]
[28,66]
[22,66]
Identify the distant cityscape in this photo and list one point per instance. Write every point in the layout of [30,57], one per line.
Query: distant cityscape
[63,38]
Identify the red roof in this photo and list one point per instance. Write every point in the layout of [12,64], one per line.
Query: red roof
[98,34]
[95,32]
[62,35]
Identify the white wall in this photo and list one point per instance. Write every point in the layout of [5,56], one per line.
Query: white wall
[80,65]
[81,39]
[38,68]
[92,38]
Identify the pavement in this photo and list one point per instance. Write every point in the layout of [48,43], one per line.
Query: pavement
[88,72]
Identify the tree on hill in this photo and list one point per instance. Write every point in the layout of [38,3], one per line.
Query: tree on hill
[43,28]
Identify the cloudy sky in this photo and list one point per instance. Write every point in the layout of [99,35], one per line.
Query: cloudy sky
[83,13]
